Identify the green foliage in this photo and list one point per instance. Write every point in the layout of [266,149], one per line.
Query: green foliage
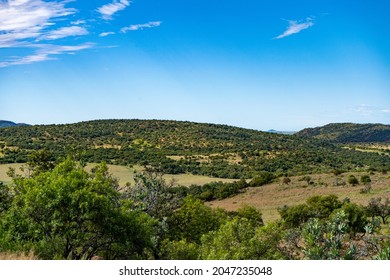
[294,216]
[357,218]
[365,179]
[67,213]
[193,219]
[230,242]
[213,190]
[153,195]
[40,161]
[261,179]
[352,180]
[179,250]
[378,208]
[5,198]
[253,215]
[326,241]
[349,133]
[315,207]
[322,206]
[239,239]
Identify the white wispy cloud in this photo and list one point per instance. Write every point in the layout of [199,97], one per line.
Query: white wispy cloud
[108,10]
[78,22]
[23,23]
[45,52]
[105,34]
[64,32]
[34,30]
[135,27]
[295,27]
[26,19]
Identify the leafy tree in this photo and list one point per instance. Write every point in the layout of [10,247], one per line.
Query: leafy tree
[356,216]
[179,250]
[294,216]
[315,207]
[194,219]
[322,206]
[5,198]
[254,216]
[153,195]
[40,161]
[239,239]
[67,213]
[230,242]
[365,179]
[262,178]
[378,208]
[352,180]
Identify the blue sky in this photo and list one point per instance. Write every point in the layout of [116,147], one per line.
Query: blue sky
[257,64]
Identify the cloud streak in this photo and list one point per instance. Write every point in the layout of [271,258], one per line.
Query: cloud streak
[295,27]
[39,30]
[24,23]
[45,52]
[136,27]
[107,11]
[64,32]
[27,19]
[105,34]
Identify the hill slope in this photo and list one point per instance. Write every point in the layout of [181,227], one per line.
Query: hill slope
[178,147]
[10,124]
[349,133]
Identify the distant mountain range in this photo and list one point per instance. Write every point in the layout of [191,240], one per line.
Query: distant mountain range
[10,124]
[281,132]
[349,133]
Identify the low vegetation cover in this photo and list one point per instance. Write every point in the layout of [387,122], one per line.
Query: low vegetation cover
[61,211]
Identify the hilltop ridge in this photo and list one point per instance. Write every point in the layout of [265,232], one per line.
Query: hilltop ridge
[349,133]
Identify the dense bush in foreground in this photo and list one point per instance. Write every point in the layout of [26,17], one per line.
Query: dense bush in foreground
[63,212]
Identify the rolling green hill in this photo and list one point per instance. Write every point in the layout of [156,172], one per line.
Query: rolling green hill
[175,147]
[349,133]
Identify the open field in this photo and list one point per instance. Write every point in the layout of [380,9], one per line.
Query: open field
[126,174]
[269,197]
[266,198]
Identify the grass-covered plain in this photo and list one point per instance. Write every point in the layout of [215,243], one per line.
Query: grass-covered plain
[266,198]
[269,197]
[125,175]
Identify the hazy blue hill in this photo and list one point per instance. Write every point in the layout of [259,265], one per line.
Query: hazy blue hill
[349,133]
[10,124]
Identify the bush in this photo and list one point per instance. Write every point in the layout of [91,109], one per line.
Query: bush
[352,180]
[262,179]
[365,179]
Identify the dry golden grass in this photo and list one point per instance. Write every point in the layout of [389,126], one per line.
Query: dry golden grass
[17,256]
[269,197]
[4,169]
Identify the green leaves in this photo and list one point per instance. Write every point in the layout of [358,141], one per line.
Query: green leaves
[80,214]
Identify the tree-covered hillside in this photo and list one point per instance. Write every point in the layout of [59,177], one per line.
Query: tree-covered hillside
[178,147]
[349,133]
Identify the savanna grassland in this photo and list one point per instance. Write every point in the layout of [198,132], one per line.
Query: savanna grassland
[136,189]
